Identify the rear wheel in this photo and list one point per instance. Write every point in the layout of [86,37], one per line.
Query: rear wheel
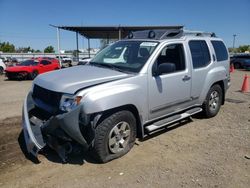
[114,136]
[211,105]
[33,75]
[237,65]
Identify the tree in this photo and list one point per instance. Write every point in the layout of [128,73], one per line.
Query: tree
[7,47]
[243,48]
[49,49]
[25,50]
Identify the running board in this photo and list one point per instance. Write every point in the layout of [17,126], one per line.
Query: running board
[172,119]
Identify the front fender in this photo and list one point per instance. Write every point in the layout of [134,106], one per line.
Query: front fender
[116,96]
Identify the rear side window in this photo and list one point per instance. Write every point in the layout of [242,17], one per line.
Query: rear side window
[200,53]
[220,50]
[44,62]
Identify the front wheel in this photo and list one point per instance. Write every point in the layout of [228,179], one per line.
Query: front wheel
[1,70]
[114,136]
[211,105]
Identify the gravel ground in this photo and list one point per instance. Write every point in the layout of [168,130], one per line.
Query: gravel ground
[196,153]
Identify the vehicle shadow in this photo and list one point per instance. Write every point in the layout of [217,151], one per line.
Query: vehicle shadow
[51,155]
[81,157]
[23,148]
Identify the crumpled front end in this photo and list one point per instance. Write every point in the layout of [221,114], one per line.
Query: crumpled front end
[59,131]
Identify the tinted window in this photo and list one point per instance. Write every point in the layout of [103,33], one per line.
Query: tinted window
[200,53]
[44,62]
[173,54]
[28,63]
[220,50]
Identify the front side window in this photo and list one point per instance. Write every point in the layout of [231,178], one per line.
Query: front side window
[172,54]
[125,55]
[200,53]
[220,50]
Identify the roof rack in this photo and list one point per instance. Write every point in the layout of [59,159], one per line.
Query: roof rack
[199,33]
[156,34]
[159,34]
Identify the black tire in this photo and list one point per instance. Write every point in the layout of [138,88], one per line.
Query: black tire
[237,65]
[212,104]
[33,75]
[1,70]
[103,149]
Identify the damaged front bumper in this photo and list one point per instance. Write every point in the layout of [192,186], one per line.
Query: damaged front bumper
[39,132]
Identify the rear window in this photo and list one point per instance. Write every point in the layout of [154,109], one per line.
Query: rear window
[220,50]
[200,53]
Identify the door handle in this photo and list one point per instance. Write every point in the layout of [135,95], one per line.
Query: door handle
[186,78]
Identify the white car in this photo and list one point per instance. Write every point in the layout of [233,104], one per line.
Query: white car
[83,61]
[2,66]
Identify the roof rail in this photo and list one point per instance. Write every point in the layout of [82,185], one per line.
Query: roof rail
[199,33]
[156,34]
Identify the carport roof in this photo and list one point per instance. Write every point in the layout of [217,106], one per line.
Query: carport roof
[111,32]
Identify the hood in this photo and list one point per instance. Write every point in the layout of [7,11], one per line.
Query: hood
[71,79]
[18,68]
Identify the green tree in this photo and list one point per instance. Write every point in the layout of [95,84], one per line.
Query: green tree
[49,49]
[243,48]
[7,47]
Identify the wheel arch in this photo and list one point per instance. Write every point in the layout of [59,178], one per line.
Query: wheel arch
[222,85]
[129,107]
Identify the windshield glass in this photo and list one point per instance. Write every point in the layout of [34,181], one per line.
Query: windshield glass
[28,63]
[125,55]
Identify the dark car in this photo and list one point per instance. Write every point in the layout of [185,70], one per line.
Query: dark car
[246,64]
[239,60]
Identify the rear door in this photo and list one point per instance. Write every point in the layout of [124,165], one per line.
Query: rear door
[46,66]
[201,63]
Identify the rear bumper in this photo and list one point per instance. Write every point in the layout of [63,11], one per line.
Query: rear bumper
[38,132]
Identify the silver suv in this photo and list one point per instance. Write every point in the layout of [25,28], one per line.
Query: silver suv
[134,87]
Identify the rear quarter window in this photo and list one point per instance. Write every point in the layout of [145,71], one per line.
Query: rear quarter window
[200,53]
[220,50]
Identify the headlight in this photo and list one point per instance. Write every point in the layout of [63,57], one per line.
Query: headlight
[69,102]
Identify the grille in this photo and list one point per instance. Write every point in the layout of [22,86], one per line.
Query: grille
[49,97]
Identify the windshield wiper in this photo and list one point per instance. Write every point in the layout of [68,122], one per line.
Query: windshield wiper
[107,65]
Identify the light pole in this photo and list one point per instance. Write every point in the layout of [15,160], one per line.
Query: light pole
[234,40]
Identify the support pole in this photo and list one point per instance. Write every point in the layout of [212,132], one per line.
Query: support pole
[58,46]
[77,48]
[89,47]
[234,41]
[120,34]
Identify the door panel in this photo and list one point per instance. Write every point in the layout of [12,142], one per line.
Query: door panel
[170,92]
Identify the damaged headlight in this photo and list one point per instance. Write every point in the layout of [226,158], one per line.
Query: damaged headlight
[69,102]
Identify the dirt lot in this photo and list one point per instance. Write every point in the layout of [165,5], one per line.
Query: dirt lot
[198,153]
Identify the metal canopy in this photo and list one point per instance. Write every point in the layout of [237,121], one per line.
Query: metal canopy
[111,32]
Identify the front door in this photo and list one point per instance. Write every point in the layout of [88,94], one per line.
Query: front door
[170,92]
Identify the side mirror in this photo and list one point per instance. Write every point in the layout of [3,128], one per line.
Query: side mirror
[163,68]
[40,65]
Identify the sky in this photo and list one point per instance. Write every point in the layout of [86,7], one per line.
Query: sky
[26,22]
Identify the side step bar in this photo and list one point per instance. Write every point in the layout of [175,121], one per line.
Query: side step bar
[172,119]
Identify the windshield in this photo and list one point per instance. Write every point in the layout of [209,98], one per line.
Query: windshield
[28,63]
[125,55]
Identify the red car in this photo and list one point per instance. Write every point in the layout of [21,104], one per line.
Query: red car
[29,69]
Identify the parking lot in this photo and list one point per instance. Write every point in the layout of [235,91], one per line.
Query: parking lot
[196,153]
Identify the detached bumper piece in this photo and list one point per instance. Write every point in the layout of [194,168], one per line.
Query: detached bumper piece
[58,131]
